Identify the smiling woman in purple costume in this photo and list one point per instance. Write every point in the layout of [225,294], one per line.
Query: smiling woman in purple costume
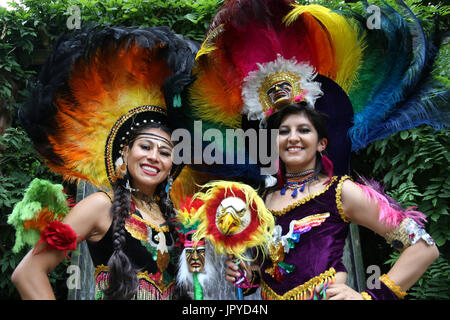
[313,209]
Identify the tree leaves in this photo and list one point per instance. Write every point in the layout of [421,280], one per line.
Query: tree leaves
[414,166]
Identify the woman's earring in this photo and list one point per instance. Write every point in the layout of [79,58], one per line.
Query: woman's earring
[129,188]
[169,184]
[168,188]
[121,168]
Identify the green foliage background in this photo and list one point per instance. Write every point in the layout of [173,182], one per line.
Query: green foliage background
[413,164]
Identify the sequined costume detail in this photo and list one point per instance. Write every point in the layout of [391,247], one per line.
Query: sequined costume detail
[317,256]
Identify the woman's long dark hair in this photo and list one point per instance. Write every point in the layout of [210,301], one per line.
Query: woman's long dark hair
[318,120]
[123,282]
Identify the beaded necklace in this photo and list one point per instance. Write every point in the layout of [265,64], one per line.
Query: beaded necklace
[298,180]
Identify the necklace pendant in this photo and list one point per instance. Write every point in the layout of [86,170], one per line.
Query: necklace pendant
[294,194]
[303,187]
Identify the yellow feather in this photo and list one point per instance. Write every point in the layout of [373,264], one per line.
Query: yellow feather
[348,45]
[208,44]
[187,184]
[213,101]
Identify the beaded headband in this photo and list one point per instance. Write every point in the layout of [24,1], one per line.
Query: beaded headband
[119,135]
[154,136]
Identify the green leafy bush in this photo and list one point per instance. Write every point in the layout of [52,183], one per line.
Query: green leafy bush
[413,165]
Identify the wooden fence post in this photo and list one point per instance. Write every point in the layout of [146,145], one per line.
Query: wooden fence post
[81,259]
[352,260]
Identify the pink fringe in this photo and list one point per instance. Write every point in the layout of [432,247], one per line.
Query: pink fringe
[280,179]
[327,168]
[391,213]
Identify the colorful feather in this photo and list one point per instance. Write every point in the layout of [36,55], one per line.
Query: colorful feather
[243,36]
[390,211]
[100,75]
[343,37]
[395,90]
[42,203]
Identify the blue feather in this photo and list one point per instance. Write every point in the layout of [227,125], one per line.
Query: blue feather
[427,106]
[396,41]
[420,50]
[416,99]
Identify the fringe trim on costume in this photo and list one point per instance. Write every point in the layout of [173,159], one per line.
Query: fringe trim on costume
[149,289]
[303,291]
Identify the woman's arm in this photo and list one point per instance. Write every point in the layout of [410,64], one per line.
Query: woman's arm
[89,219]
[30,276]
[413,261]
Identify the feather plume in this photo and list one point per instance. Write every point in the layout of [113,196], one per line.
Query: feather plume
[390,212]
[395,90]
[93,77]
[346,44]
[42,203]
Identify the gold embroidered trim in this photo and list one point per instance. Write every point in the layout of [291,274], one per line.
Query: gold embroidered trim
[366,296]
[151,225]
[303,200]
[108,195]
[339,198]
[140,275]
[301,292]
[391,285]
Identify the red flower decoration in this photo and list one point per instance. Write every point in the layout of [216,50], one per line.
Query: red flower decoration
[58,236]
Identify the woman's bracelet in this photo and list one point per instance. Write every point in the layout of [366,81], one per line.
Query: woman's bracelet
[366,296]
[388,290]
[256,279]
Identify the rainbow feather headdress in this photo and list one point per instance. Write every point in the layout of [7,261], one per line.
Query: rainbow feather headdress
[93,88]
[252,44]
[384,78]
[248,45]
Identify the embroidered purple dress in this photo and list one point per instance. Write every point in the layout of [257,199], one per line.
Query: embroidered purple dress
[313,232]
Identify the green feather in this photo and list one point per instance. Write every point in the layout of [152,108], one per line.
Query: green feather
[39,194]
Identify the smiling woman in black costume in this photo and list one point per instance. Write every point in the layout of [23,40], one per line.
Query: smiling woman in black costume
[98,113]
